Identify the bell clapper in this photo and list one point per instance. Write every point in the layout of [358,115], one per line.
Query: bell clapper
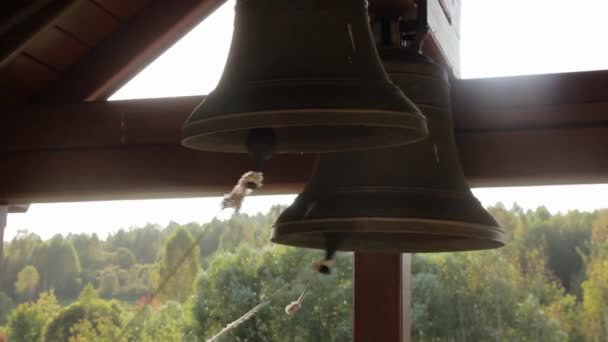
[321,266]
[260,145]
[324,266]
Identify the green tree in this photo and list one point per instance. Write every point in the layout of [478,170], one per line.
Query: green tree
[89,249]
[65,324]
[99,329]
[26,322]
[180,286]
[170,322]
[595,287]
[124,258]
[6,305]
[27,282]
[484,296]
[595,303]
[108,284]
[147,243]
[18,254]
[235,282]
[59,267]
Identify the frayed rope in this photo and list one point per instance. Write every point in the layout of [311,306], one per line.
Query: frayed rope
[247,183]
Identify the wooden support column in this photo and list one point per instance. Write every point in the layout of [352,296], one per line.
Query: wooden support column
[381,298]
[3,217]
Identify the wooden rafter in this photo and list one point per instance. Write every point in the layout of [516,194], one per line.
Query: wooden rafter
[122,55]
[16,30]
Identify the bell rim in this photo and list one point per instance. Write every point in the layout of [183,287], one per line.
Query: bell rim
[476,237]
[406,128]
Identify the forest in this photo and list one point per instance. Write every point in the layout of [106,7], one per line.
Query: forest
[549,283]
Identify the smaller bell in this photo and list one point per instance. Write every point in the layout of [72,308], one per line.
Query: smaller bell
[303,76]
[408,199]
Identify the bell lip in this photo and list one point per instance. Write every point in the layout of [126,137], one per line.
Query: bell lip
[392,128]
[475,237]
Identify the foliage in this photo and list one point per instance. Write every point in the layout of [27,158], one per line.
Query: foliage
[59,266]
[100,329]
[67,322]
[548,284]
[595,288]
[6,305]
[18,254]
[183,271]
[108,283]
[27,282]
[26,322]
[234,283]
[124,258]
[170,322]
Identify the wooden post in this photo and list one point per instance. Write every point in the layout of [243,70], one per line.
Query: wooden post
[3,217]
[380,298]
[406,296]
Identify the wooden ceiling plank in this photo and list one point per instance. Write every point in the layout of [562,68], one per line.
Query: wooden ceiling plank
[55,48]
[88,22]
[122,55]
[121,8]
[26,24]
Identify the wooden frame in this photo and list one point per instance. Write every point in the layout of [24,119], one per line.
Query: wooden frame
[546,129]
[535,135]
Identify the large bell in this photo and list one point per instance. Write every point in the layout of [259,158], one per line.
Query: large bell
[412,198]
[309,70]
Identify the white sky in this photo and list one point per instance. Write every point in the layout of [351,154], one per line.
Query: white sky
[498,38]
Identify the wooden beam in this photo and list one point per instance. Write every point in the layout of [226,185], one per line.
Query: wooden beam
[378,297]
[539,129]
[95,124]
[128,50]
[536,157]
[523,103]
[390,6]
[133,172]
[17,30]
[18,208]
[102,149]
[475,95]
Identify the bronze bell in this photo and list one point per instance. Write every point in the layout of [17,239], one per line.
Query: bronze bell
[411,198]
[309,70]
